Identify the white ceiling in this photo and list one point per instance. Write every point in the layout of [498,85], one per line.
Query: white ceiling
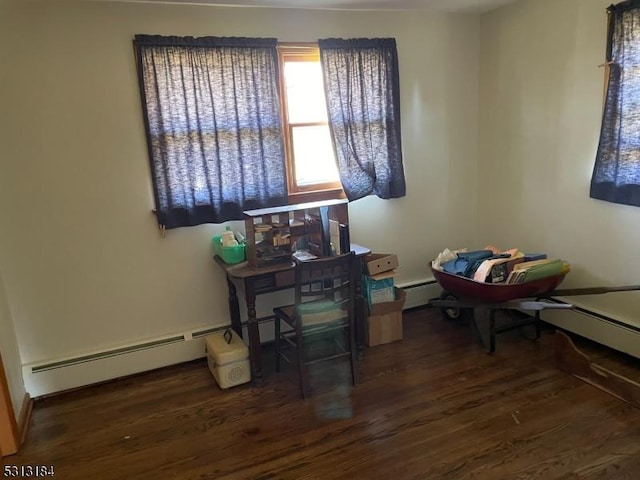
[460,6]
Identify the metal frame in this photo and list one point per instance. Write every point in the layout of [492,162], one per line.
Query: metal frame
[542,301]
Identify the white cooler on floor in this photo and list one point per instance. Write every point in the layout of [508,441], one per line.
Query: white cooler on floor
[229,362]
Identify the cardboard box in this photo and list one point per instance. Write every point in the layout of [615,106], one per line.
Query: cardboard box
[384,324]
[376,263]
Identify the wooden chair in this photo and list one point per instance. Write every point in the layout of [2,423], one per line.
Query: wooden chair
[324,311]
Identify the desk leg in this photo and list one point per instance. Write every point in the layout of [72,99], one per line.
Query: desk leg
[234,308]
[255,351]
[361,318]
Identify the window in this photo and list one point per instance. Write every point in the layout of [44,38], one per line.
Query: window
[237,124]
[616,175]
[311,163]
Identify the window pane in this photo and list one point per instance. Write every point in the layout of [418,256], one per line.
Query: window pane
[313,155]
[305,92]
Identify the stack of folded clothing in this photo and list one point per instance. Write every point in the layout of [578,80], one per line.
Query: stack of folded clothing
[493,265]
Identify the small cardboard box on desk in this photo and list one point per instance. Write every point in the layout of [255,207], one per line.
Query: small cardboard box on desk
[228,358]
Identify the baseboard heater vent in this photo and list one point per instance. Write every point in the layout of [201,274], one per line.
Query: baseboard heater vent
[208,331]
[599,316]
[107,354]
[58,375]
[583,321]
[419,293]
[596,326]
[125,350]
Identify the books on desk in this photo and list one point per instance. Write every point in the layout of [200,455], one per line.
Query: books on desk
[534,270]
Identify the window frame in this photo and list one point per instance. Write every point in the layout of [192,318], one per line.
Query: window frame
[305,51]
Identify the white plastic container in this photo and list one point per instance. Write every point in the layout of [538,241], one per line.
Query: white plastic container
[228,238]
[228,362]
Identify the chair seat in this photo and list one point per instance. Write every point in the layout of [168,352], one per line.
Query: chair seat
[313,313]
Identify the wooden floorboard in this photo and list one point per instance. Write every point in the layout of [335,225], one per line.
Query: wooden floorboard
[433,406]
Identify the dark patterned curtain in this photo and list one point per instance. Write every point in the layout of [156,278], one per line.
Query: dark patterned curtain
[212,114]
[363,100]
[616,176]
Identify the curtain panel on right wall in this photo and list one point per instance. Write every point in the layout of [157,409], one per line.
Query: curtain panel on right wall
[362,86]
[616,175]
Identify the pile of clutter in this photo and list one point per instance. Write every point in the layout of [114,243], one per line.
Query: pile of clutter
[492,265]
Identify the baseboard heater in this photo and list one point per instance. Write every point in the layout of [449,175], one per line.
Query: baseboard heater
[419,292]
[597,326]
[44,378]
[600,316]
[106,354]
[123,350]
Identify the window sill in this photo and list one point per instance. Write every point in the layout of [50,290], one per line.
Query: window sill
[316,196]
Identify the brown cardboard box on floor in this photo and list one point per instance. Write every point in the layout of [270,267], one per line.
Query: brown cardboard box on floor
[385,320]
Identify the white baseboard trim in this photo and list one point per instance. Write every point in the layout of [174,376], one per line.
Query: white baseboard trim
[24,419]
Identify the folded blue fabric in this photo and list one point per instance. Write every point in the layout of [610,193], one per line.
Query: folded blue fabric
[466,261]
[456,266]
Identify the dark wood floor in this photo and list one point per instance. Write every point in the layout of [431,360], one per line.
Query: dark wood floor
[434,406]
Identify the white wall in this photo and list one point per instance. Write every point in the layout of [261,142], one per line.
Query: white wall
[10,354]
[540,111]
[83,264]
[8,343]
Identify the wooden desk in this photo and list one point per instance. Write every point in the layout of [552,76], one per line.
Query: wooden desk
[257,281]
